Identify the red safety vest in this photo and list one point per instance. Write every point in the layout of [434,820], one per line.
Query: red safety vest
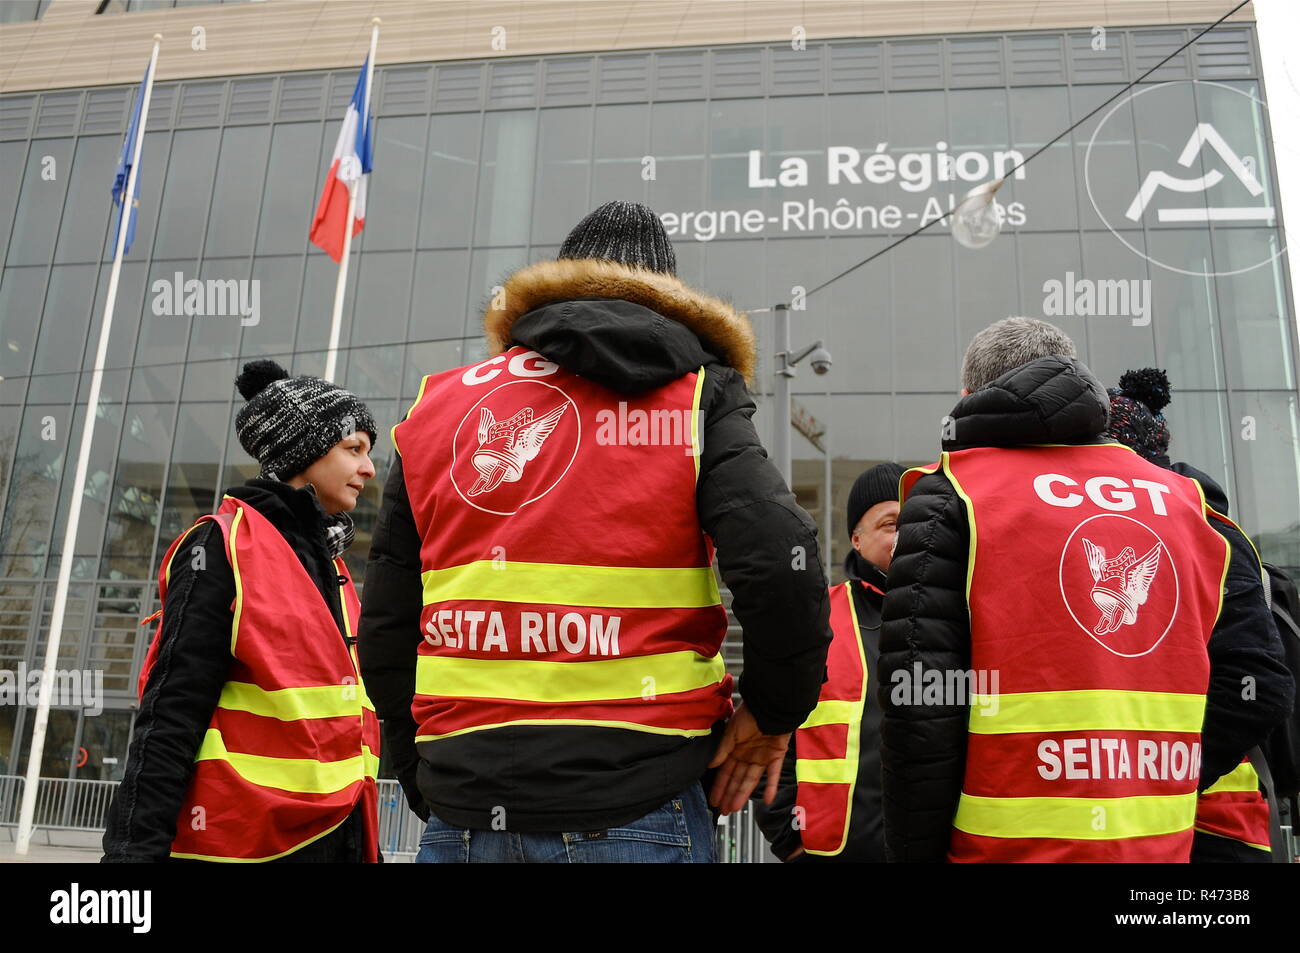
[1234,807]
[828,742]
[566,577]
[293,745]
[1093,583]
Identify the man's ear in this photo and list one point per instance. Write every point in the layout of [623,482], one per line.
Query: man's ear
[964,392]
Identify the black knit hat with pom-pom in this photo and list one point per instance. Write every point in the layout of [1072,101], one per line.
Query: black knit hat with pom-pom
[291,422]
[1135,412]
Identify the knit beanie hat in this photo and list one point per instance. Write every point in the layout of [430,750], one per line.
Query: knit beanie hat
[876,485]
[1135,412]
[291,422]
[625,232]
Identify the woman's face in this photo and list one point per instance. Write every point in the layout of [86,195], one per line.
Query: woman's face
[340,475]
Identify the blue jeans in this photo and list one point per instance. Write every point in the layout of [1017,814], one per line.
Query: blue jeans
[678,832]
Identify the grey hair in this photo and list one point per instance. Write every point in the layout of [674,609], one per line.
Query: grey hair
[1007,344]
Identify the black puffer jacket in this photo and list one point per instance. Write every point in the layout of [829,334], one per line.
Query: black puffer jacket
[1245,649]
[926,620]
[866,840]
[628,331]
[192,666]
[1245,608]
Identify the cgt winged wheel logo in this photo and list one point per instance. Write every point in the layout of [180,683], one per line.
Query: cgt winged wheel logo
[1120,585]
[505,447]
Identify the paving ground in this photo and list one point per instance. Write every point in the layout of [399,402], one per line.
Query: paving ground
[68,848]
[85,849]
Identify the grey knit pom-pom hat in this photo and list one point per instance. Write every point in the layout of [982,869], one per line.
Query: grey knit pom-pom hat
[625,232]
[291,422]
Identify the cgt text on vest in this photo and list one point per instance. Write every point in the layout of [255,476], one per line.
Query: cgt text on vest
[1108,492]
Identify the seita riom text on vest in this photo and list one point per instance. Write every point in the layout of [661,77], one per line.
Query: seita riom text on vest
[539,632]
[1111,759]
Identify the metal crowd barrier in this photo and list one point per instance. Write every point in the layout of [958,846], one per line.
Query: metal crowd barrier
[73,804]
[399,827]
[11,799]
[76,804]
[62,804]
[739,841]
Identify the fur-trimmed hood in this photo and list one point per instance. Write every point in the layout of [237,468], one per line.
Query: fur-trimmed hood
[721,329]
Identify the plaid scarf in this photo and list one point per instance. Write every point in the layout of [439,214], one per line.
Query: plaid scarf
[338,529]
[339,533]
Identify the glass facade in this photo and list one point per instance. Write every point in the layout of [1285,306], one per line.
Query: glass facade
[138,6]
[22,11]
[774,169]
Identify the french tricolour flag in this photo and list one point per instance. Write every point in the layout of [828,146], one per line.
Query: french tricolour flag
[351,164]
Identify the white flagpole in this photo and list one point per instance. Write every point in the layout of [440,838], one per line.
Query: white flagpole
[79,482]
[340,287]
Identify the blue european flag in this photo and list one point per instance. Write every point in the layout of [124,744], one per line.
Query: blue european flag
[124,168]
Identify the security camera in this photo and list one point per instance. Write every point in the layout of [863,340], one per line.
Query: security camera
[821,361]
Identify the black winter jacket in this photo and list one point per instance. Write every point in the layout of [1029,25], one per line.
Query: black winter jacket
[866,841]
[926,620]
[629,331]
[1244,601]
[1246,624]
[192,666]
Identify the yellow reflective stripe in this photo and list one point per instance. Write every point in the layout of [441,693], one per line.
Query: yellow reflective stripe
[615,587]
[1268,848]
[1093,709]
[1241,778]
[293,704]
[234,568]
[595,723]
[847,770]
[299,775]
[945,462]
[696,448]
[923,471]
[561,682]
[365,697]
[424,382]
[343,599]
[1259,560]
[1223,579]
[258,860]
[826,770]
[352,644]
[1075,446]
[361,685]
[167,566]
[1075,818]
[1227,548]
[833,711]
